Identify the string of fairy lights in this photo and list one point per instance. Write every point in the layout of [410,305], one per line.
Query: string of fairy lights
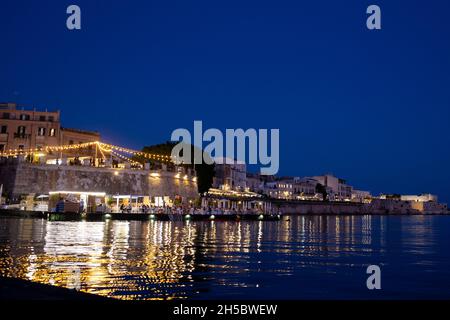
[102,147]
[157,157]
[128,159]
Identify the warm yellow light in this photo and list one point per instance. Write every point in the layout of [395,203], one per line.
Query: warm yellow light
[96,194]
[154,174]
[116,173]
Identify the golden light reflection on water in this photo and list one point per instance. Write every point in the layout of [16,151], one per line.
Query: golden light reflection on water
[166,260]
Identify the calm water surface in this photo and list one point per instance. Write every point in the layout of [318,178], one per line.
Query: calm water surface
[321,257]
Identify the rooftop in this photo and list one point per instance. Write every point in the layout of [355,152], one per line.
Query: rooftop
[12,106]
[80,131]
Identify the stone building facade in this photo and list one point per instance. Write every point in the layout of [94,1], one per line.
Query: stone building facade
[230,174]
[22,129]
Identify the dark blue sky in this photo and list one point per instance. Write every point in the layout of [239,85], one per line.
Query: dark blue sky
[369,106]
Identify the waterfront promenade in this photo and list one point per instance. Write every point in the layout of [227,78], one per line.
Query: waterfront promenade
[73,216]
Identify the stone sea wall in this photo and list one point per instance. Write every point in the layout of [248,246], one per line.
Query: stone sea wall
[377,206]
[316,207]
[20,178]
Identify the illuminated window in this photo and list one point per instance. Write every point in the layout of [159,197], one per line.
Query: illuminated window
[21,130]
[41,132]
[52,132]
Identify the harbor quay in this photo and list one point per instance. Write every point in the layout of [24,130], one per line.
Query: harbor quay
[39,187]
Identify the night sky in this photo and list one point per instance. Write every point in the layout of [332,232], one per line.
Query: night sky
[369,106]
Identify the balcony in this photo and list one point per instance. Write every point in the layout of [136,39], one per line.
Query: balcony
[18,135]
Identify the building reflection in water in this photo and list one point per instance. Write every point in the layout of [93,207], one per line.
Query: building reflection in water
[165,260]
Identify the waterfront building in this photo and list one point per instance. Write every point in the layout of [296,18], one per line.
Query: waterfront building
[305,189]
[236,201]
[421,202]
[361,196]
[420,198]
[70,136]
[22,129]
[230,174]
[387,205]
[415,198]
[292,188]
[282,188]
[255,182]
[340,190]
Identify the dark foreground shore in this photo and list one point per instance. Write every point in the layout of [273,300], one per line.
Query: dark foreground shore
[18,289]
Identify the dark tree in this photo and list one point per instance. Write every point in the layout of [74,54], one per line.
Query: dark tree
[320,188]
[204,172]
[162,148]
